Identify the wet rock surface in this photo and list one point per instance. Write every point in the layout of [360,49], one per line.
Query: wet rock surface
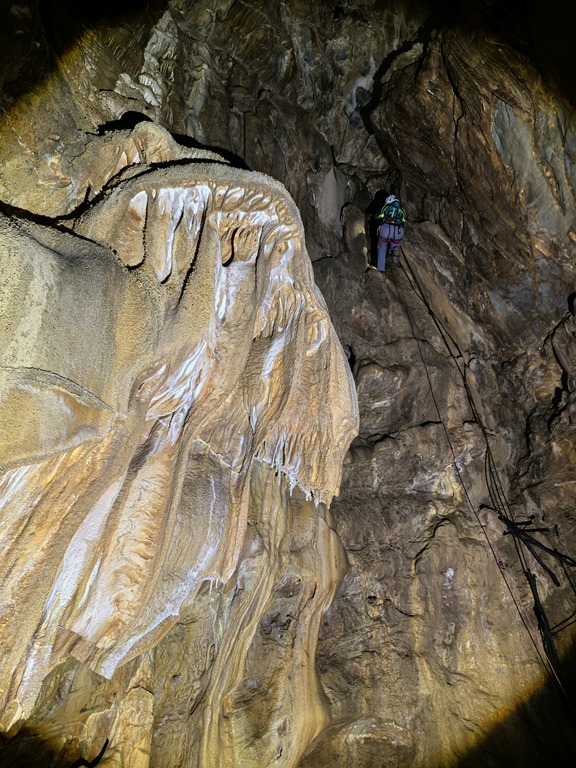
[463,359]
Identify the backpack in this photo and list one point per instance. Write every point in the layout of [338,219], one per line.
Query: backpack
[393,214]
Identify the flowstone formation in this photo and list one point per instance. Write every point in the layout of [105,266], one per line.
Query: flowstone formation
[175,410]
[450,641]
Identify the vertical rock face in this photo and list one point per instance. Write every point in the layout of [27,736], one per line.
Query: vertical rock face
[465,420]
[212,363]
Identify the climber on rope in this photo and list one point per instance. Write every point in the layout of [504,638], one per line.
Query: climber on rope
[390,232]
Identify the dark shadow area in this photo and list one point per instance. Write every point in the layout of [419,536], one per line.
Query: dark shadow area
[29,749]
[64,21]
[33,35]
[540,733]
[543,36]
[543,33]
[131,119]
[127,122]
[233,159]
[372,224]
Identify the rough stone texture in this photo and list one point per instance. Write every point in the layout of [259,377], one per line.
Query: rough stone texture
[463,360]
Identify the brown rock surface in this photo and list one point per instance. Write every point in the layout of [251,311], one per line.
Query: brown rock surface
[463,360]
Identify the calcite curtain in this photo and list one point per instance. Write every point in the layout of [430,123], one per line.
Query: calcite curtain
[159,356]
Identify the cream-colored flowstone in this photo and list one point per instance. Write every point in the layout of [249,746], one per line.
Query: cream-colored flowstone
[173,397]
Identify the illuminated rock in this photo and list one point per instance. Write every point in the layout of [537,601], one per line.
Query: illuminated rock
[430,654]
[176,409]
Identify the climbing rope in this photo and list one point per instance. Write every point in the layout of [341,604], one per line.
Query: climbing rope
[519,530]
[496,491]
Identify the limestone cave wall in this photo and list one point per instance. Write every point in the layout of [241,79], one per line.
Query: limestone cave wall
[176,179]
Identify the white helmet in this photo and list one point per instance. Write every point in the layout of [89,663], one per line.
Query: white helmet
[391,199]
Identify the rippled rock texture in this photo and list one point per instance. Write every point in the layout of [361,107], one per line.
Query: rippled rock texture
[176,409]
[463,358]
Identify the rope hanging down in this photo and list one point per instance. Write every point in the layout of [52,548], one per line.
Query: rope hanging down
[519,530]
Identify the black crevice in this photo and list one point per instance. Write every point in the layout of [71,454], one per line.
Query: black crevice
[128,121]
